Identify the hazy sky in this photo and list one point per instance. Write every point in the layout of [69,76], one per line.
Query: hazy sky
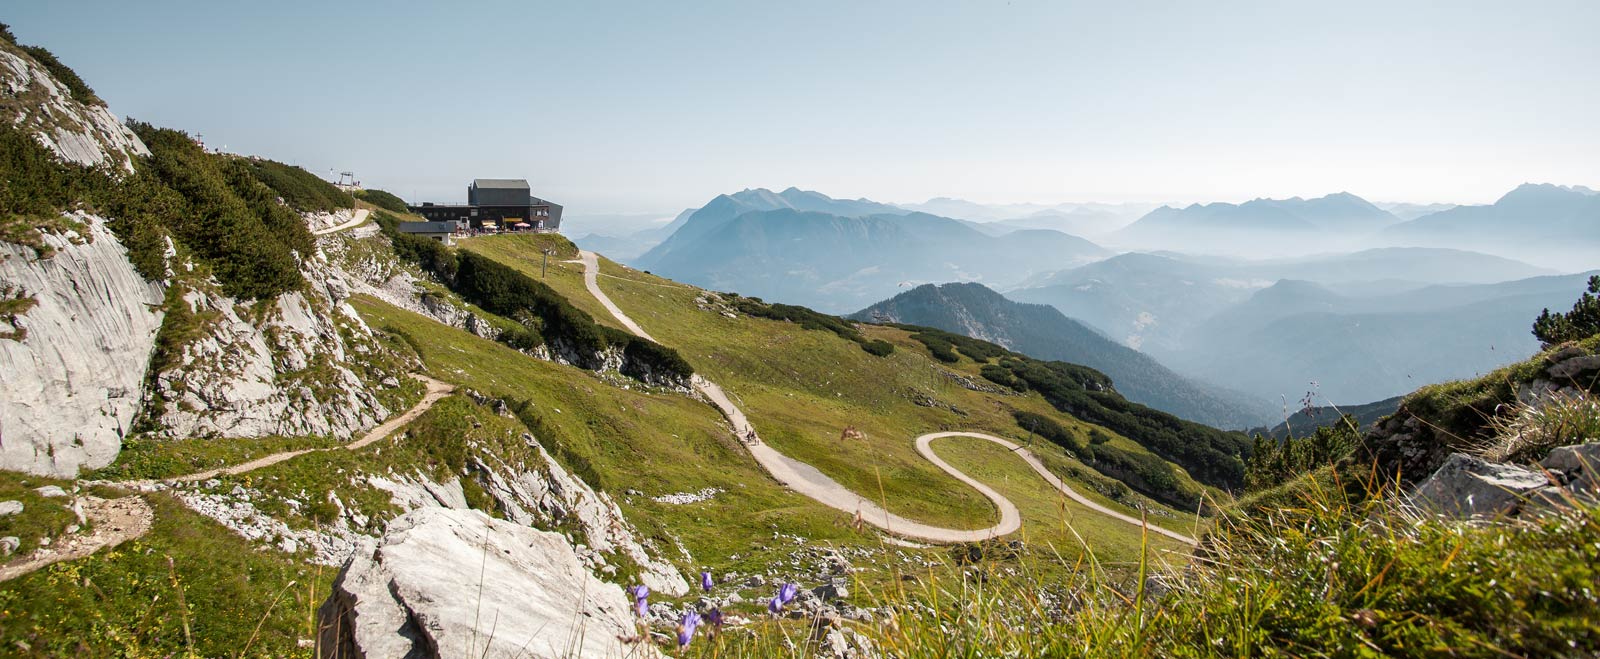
[655,106]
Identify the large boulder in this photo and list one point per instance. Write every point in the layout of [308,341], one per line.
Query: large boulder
[457,583]
[1466,487]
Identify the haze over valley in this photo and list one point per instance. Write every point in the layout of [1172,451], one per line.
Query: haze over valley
[1334,297]
[825,330]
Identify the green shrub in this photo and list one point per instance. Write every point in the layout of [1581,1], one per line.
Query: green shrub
[383,200]
[1003,376]
[943,344]
[1141,471]
[1580,323]
[1273,462]
[878,348]
[299,188]
[227,218]
[811,320]
[1209,455]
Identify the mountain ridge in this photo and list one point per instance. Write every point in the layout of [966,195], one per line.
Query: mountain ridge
[1042,332]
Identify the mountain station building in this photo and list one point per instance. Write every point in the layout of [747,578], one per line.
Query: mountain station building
[497,204]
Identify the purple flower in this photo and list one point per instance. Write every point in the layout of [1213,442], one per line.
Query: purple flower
[786,594]
[714,618]
[641,595]
[686,628]
[706,582]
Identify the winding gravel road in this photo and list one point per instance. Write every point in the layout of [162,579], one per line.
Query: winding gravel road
[807,480]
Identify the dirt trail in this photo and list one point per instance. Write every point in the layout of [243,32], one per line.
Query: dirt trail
[115,521]
[111,523]
[361,216]
[436,391]
[807,480]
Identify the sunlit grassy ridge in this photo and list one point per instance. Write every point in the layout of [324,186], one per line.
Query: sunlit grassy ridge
[801,388]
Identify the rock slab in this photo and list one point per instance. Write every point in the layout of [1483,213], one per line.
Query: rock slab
[456,583]
[73,381]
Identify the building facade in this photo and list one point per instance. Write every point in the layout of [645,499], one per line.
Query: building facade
[497,204]
[436,231]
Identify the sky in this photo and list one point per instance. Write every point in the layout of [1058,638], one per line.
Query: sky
[652,107]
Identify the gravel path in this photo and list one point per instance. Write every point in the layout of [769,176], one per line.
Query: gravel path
[111,523]
[115,521]
[807,480]
[361,216]
[436,391]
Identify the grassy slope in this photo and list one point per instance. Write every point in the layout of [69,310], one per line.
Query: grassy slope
[656,443]
[802,387]
[129,602]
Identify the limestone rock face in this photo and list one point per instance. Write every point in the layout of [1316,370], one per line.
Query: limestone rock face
[359,268]
[85,134]
[73,379]
[456,583]
[286,366]
[544,496]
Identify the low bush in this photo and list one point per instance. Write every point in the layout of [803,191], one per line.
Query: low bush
[1274,462]
[384,200]
[299,188]
[811,320]
[1143,472]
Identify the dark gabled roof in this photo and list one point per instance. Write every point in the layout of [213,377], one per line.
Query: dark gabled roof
[427,227]
[500,183]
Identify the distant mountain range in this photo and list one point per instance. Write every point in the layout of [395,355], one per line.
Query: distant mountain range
[1406,211]
[1151,301]
[1259,228]
[1551,223]
[1042,332]
[836,255]
[1076,218]
[625,245]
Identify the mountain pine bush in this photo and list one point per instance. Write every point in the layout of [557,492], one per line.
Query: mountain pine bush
[1580,323]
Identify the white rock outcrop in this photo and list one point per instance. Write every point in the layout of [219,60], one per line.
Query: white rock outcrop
[1468,486]
[72,383]
[360,268]
[85,134]
[290,368]
[544,496]
[456,583]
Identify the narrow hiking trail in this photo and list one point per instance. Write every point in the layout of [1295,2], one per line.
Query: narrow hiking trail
[361,216]
[111,523]
[115,521]
[809,481]
[437,390]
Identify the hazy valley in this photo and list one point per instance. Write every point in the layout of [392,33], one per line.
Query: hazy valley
[254,410]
